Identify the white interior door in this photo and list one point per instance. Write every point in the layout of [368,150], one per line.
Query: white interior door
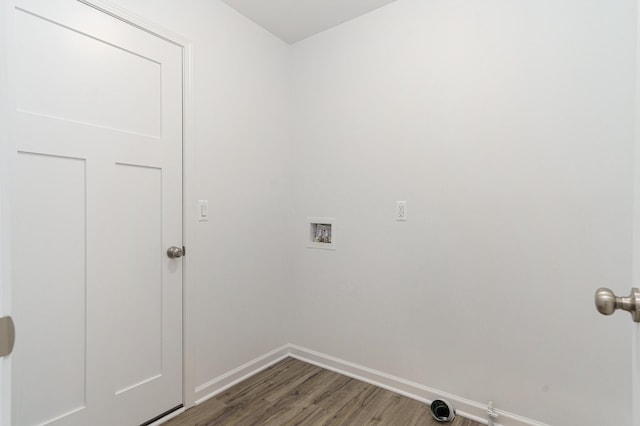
[96,201]
[635,327]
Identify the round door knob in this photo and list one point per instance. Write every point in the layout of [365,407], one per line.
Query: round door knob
[605,301]
[175,252]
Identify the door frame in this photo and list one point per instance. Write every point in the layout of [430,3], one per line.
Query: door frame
[189,209]
[5,261]
[635,262]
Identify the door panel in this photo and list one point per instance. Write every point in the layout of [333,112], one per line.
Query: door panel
[97,126]
[52,382]
[139,346]
[68,74]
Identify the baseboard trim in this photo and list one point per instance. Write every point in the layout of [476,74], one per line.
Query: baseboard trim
[235,376]
[464,407]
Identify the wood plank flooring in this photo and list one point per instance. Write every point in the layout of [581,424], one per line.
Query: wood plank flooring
[293,392]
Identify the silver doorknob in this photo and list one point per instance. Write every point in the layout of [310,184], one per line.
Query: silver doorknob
[7,336]
[607,302]
[175,252]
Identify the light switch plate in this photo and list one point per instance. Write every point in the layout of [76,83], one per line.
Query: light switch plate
[203,210]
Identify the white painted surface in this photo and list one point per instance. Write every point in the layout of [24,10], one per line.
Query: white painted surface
[203,210]
[219,384]
[140,318]
[49,290]
[510,128]
[5,250]
[109,103]
[539,204]
[96,200]
[294,20]
[401,211]
[238,262]
[635,327]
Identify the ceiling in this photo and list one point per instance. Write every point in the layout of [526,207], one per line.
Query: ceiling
[294,20]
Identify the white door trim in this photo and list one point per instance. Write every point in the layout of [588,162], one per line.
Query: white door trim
[189,210]
[635,327]
[5,237]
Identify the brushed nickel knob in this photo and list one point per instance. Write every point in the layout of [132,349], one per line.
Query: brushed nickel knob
[7,336]
[175,252]
[607,302]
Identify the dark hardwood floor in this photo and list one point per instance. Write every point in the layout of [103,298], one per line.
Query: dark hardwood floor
[292,392]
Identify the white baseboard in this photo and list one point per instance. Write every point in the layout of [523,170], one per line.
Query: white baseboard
[464,407]
[235,376]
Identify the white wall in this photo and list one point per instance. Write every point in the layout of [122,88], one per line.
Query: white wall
[508,128]
[238,260]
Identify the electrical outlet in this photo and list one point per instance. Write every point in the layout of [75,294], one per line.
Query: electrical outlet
[401,211]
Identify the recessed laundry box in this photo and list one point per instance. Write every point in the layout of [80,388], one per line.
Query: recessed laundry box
[321,233]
